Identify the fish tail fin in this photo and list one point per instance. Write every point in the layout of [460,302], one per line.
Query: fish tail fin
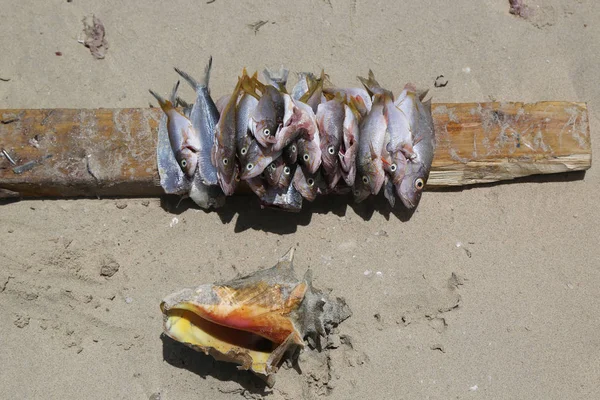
[174,98]
[370,83]
[207,70]
[182,102]
[248,85]
[278,79]
[164,104]
[188,78]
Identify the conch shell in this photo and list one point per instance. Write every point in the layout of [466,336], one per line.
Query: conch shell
[255,320]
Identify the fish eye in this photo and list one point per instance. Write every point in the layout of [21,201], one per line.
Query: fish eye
[293,148]
[286,170]
[419,184]
[356,192]
[331,150]
[243,151]
[393,167]
[225,161]
[365,179]
[272,166]
[310,181]
[306,157]
[183,163]
[249,166]
[266,131]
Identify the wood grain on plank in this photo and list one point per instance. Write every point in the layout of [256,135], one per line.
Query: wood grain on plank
[112,152]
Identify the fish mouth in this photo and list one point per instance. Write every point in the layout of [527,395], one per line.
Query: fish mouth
[408,203]
[247,349]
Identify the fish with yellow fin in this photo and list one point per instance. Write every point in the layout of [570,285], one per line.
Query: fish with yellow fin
[253,321]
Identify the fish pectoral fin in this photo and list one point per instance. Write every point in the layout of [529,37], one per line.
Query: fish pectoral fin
[374,154]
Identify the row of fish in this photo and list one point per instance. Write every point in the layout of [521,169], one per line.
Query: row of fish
[290,146]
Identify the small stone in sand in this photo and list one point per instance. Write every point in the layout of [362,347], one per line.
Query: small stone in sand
[121,205]
[108,266]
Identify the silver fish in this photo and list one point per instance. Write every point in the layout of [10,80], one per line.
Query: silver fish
[417,169]
[287,199]
[223,155]
[290,153]
[314,95]
[258,185]
[183,138]
[306,183]
[273,171]
[369,164]
[309,152]
[287,174]
[264,120]
[330,120]
[258,158]
[299,119]
[402,119]
[206,196]
[172,178]
[389,191]
[245,108]
[349,148]
[204,117]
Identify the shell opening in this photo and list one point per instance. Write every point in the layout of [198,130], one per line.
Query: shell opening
[242,347]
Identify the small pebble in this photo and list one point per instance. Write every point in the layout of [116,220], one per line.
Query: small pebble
[473,388]
[379,274]
[108,266]
[368,273]
[121,205]
[128,300]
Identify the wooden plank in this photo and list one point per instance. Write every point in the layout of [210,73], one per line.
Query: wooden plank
[112,152]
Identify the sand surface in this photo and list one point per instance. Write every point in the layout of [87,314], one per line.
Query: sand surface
[519,321]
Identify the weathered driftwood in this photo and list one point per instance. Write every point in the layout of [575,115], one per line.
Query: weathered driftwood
[112,152]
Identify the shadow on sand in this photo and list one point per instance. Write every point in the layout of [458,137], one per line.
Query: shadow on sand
[180,356]
[251,216]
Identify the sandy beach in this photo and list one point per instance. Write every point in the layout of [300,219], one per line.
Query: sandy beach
[490,292]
